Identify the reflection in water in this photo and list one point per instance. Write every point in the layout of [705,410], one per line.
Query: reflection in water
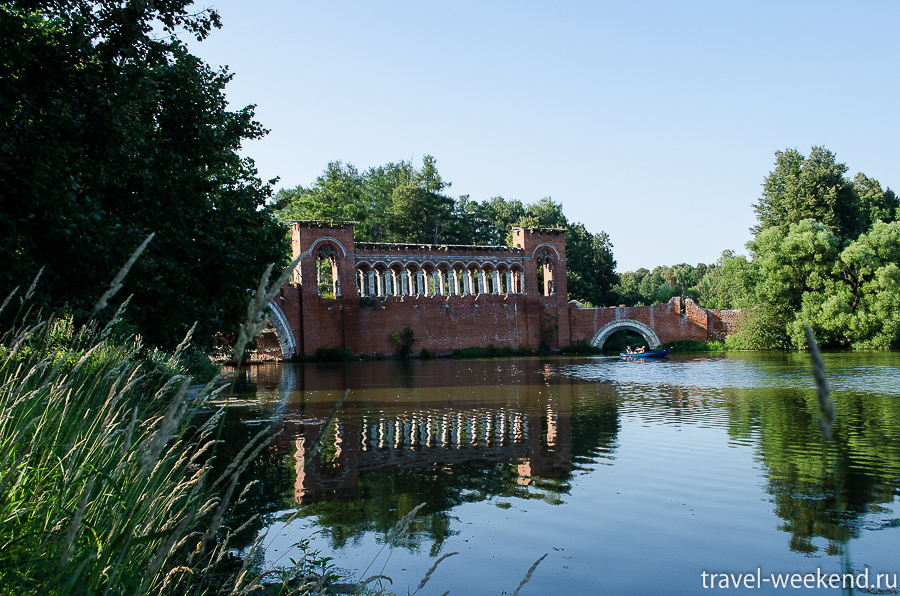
[404,436]
[451,433]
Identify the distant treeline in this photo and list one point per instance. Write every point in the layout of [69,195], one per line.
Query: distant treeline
[399,202]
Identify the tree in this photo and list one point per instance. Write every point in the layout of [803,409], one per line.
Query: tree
[590,266]
[335,195]
[794,268]
[729,284]
[861,305]
[811,187]
[111,130]
[876,204]
[418,214]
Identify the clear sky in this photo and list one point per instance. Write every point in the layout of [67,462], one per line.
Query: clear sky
[655,122]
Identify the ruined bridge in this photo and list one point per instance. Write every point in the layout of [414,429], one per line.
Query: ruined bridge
[354,295]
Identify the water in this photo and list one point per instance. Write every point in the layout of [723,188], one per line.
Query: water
[635,477]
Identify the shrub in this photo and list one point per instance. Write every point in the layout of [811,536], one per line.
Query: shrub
[404,341]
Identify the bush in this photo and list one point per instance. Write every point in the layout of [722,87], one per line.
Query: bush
[404,342]
[688,345]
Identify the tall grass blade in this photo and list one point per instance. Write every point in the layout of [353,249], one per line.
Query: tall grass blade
[823,391]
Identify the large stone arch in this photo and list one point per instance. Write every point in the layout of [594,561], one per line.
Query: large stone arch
[282,330]
[631,325]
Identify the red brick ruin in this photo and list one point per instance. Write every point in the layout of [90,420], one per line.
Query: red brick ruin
[354,295]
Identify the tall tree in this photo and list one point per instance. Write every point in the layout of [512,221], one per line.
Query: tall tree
[111,130]
[811,187]
[876,204]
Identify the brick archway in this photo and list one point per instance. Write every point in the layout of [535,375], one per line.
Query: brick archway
[282,330]
[626,324]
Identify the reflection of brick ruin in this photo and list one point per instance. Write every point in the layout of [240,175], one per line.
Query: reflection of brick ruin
[354,295]
[539,446]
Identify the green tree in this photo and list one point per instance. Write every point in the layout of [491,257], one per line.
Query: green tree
[418,215]
[793,268]
[336,195]
[110,130]
[811,187]
[590,266]
[876,204]
[728,284]
[861,305]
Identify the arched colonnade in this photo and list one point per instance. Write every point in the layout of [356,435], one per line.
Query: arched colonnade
[410,279]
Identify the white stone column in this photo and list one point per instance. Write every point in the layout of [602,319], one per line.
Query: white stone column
[379,283]
[394,287]
[509,282]
[442,278]
[497,282]
[420,280]
[454,282]
[371,289]
[482,282]
[467,282]
[407,282]
[438,282]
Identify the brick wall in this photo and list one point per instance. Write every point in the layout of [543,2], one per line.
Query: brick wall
[380,291]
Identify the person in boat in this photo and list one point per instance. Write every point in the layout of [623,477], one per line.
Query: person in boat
[628,349]
[640,350]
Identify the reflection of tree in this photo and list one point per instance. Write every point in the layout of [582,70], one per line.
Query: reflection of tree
[822,489]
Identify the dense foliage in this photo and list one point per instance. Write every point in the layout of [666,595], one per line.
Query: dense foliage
[826,253]
[399,202]
[111,130]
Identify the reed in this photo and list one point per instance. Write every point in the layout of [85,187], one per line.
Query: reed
[105,481]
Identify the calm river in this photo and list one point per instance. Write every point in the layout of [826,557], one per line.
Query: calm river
[635,477]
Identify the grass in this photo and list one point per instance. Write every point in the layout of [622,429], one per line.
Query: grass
[106,484]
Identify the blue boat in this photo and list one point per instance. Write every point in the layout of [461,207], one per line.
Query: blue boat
[653,354]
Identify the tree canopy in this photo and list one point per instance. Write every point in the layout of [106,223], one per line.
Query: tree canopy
[110,130]
[826,254]
[815,187]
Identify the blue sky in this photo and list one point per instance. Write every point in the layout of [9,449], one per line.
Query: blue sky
[655,122]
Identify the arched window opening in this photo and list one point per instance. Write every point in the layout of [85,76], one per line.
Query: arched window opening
[545,269]
[365,281]
[503,280]
[327,277]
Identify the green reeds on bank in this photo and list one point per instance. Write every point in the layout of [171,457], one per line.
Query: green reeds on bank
[104,486]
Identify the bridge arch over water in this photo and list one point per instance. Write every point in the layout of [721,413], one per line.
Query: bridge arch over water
[282,330]
[626,325]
